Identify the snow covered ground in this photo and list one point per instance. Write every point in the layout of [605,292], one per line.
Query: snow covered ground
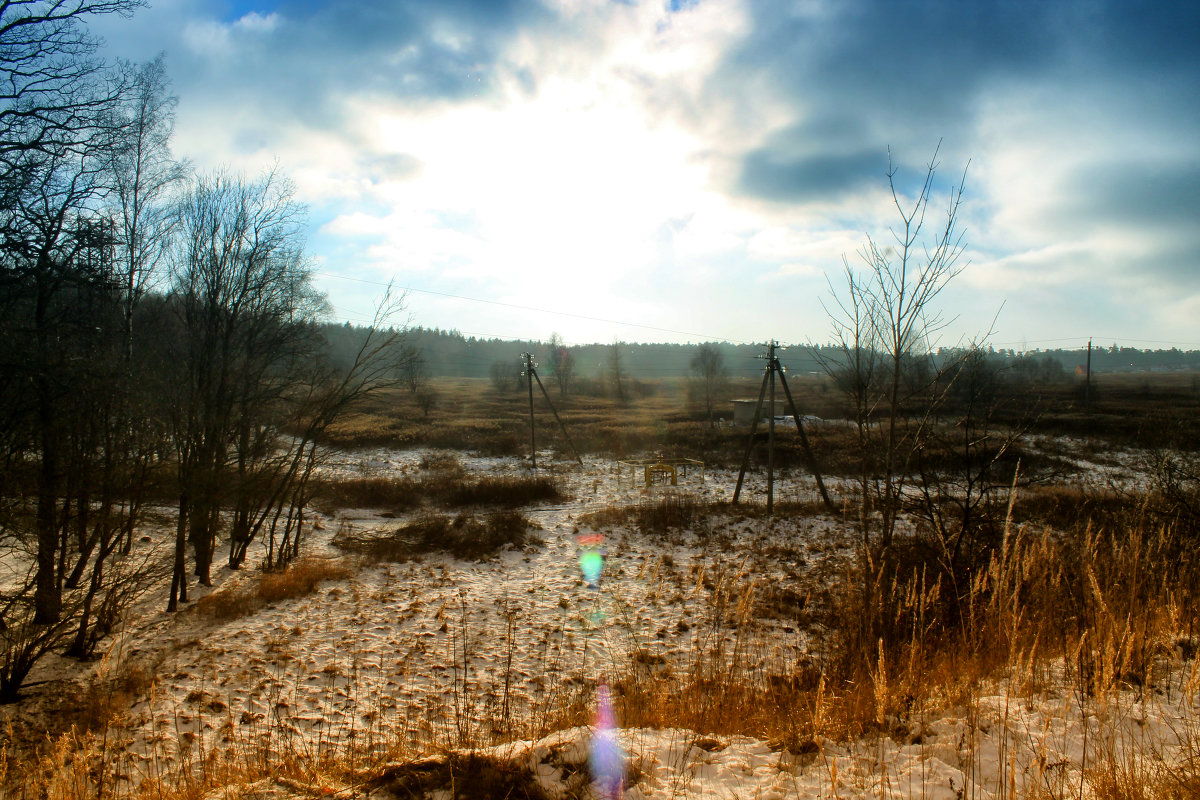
[436,652]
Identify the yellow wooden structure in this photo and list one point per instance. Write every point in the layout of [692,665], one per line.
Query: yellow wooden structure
[657,471]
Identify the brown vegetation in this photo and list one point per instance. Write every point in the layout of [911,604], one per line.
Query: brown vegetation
[298,579]
[464,536]
[439,488]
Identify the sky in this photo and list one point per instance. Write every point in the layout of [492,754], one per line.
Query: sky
[704,170]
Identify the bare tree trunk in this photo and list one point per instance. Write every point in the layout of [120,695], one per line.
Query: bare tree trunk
[179,574]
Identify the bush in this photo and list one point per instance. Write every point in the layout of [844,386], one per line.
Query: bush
[395,493]
[299,579]
[445,485]
[508,492]
[464,536]
[652,516]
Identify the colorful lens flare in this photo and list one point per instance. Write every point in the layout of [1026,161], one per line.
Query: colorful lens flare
[591,558]
[606,759]
[592,564]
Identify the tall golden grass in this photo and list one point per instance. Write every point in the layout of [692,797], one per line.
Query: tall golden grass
[1098,613]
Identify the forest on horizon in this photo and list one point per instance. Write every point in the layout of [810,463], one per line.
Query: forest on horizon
[450,353]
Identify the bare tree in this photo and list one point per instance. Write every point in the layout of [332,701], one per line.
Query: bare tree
[144,178]
[617,376]
[245,303]
[708,368]
[74,411]
[414,373]
[965,465]
[883,320]
[55,95]
[562,363]
[317,395]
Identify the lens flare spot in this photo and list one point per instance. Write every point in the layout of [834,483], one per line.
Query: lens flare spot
[606,759]
[591,563]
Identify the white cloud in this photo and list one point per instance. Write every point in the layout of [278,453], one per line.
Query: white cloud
[587,154]
[207,37]
[255,22]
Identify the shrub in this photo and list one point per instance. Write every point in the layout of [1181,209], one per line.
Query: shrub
[444,484]
[299,579]
[395,493]
[508,492]
[296,580]
[653,516]
[464,536]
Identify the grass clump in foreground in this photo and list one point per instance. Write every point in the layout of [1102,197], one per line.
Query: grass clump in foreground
[298,579]
[464,536]
[1091,616]
[652,516]
[1097,616]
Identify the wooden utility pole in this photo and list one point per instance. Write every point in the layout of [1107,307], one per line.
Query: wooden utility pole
[774,368]
[771,432]
[531,373]
[1087,380]
[529,377]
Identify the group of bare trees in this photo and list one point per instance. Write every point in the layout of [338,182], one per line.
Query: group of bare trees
[931,449]
[160,344]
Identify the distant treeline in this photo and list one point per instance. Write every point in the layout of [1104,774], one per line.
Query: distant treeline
[448,353]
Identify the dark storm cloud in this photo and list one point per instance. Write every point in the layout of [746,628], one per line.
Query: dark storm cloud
[1156,205]
[1135,196]
[908,74]
[772,175]
[318,53]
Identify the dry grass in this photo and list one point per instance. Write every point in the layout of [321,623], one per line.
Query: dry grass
[441,486]
[464,536]
[671,511]
[1109,608]
[1160,410]
[298,579]
[390,492]
[1096,610]
[506,492]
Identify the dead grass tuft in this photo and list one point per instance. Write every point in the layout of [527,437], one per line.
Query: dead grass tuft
[443,484]
[298,579]
[506,492]
[464,536]
[471,775]
[392,493]
[674,511]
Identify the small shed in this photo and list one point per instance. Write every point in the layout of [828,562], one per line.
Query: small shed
[743,410]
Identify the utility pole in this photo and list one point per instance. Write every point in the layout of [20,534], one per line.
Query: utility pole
[529,378]
[771,431]
[531,375]
[774,368]
[1087,381]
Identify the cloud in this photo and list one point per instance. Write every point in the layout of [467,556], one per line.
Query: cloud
[258,23]
[601,150]
[772,175]
[1133,194]
[859,75]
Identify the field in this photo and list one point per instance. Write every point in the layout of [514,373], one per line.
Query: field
[460,625]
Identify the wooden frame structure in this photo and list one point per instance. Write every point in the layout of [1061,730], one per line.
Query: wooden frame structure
[658,471]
